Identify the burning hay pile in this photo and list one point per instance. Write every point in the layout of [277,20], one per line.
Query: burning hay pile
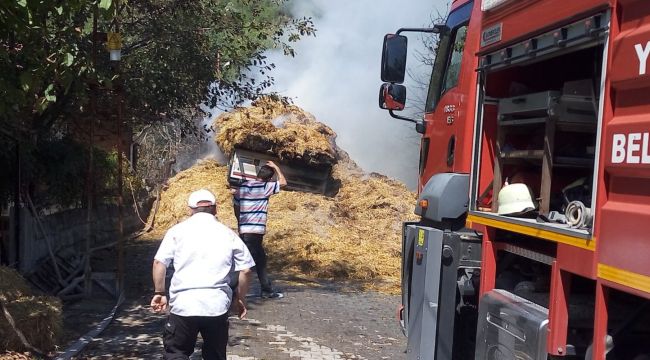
[38,317]
[353,235]
[274,128]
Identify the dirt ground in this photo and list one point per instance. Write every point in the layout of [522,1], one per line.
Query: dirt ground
[315,320]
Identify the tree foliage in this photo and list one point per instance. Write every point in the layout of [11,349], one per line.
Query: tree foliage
[425,57]
[44,53]
[224,44]
[176,55]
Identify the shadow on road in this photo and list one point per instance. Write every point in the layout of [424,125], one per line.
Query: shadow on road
[315,318]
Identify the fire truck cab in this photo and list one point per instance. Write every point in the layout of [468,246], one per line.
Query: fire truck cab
[534,183]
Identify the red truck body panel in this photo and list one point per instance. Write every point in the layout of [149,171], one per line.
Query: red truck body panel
[622,204]
[525,18]
[623,216]
[614,253]
[463,102]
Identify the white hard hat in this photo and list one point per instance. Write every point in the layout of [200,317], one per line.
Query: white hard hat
[515,199]
[202,195]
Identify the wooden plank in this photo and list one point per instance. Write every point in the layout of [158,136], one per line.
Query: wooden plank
[497,182]
[547,166]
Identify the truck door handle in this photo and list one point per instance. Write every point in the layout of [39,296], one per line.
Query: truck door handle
[451,149]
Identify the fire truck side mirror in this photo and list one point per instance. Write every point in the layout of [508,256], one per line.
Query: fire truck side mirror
[393,58]
[392,96]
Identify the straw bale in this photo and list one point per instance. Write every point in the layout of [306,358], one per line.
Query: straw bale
[277,129]
[354,235]
[38,317]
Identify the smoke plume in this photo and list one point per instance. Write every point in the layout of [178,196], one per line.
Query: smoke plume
[335,76]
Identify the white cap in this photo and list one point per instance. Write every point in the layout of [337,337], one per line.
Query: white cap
[202,195]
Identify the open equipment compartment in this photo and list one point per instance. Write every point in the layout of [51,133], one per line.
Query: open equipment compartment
[539,112]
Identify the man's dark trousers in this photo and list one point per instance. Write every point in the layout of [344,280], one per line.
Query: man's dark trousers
[254,244]
[179,337]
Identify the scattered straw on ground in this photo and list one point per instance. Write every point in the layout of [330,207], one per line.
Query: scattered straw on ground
[38,317]
[285,131]
[354,235]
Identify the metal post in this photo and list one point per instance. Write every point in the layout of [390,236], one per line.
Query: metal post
[120,198]
[17,214]
[89,181]
[120,159]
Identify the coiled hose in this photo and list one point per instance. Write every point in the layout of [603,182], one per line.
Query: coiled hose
[578,215]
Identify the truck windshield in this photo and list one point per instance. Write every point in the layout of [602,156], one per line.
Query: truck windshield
[449,53]
[453,68]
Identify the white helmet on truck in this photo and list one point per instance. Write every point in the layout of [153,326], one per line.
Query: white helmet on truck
[515,199]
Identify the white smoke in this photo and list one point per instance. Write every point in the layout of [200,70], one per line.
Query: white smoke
[278,122]
[335,76]
[209,149]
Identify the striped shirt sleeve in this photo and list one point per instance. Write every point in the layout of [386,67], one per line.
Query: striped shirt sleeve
[272,187]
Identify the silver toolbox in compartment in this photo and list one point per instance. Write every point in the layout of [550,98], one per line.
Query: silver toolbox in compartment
[510,327]
[578,103]
[541,104]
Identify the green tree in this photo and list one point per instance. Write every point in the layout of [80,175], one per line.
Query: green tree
[177,54]
[43,48]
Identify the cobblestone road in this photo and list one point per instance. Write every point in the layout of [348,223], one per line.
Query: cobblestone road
[309,323]
[315,320]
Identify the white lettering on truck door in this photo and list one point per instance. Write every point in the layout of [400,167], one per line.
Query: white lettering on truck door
[632,148]
[645,157]
[642,53]
[618,149]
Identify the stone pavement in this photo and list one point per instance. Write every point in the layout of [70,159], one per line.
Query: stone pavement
[322,322]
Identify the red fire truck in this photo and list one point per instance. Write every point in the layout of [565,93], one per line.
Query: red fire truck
[534,191]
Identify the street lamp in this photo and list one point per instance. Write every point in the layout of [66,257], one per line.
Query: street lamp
[115,50]
[115,46]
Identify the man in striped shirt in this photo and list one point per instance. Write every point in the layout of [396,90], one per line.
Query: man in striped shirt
[251,198]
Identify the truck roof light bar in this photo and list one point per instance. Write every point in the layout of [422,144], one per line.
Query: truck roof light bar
[586,32]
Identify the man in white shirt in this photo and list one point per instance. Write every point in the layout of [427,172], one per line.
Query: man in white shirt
[204,253]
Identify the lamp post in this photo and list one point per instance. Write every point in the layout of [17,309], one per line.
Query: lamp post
[90,180]
[115,49]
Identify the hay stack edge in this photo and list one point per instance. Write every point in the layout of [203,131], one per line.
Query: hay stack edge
[352,235]
[38,317]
